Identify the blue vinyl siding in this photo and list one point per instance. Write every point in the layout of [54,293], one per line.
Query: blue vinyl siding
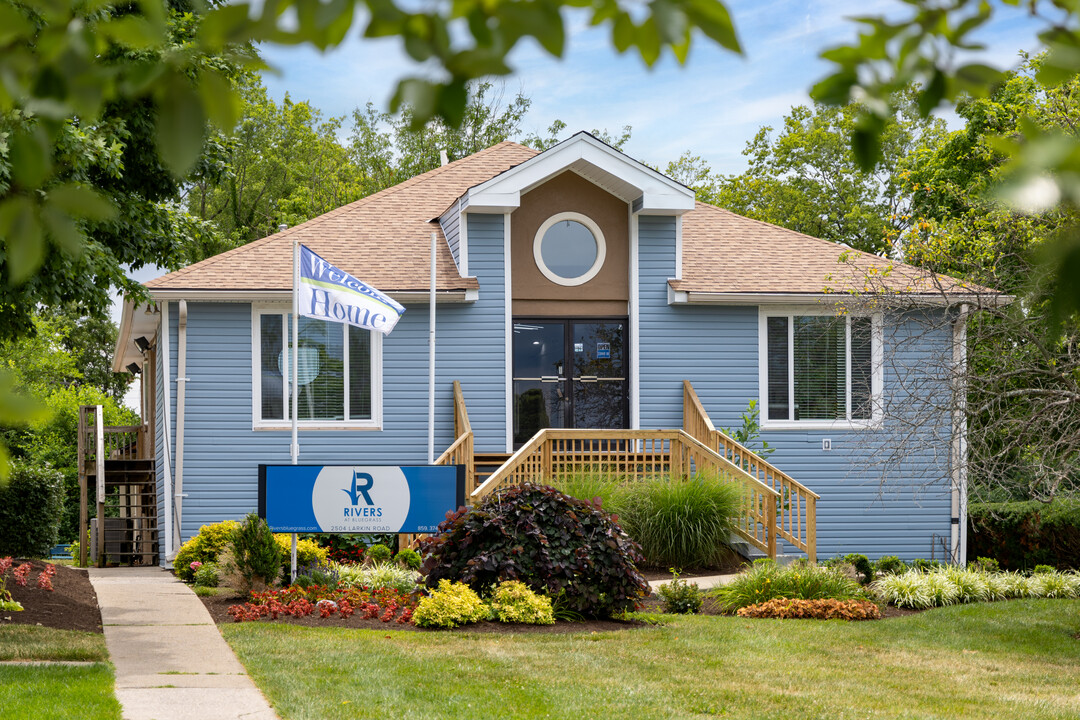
[222,452]
[451,223]
[716,348]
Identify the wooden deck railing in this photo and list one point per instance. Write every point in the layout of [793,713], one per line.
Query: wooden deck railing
[461,451]
[797,504]
[638,455]
[122,442]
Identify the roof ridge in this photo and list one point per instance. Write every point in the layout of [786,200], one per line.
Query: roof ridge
[344,209]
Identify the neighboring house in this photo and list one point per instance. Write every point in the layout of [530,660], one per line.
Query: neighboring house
[576,288]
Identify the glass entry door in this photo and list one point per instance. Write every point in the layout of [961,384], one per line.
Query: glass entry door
[569,373]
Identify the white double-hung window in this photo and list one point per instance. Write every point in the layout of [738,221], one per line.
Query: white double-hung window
[338,373]
[819,369]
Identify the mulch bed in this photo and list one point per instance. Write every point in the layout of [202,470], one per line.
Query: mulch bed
[72,605]
[218,606]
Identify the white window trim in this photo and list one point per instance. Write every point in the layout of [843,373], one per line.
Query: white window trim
[601,249]
[257,423]
[876,370]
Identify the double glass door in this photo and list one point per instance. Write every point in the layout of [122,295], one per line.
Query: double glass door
[569,373]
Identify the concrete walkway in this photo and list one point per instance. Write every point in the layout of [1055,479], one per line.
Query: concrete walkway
[705,582]
[171,661]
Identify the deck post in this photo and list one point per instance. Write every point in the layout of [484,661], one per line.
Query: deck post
[770,514]
[99,469]
[811,528]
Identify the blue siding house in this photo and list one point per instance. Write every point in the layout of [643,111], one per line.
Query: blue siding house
[576,289]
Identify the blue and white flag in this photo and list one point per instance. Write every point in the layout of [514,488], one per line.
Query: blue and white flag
[329,293]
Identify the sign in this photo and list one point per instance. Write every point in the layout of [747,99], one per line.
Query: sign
[359,498]
[603,351]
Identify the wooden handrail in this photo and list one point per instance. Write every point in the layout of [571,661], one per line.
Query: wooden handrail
[639,455]
[461,451]
[797,508]
[461,413]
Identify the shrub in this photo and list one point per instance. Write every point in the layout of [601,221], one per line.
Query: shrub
[378,553]
[204,547]
[971,585]
[1021,535]
[308,553]
[557,545]
[1043,570]
[985,564]
[889,565]
[324,575]
[379,576]
[449,606]
[767,581]
[682,522]
[926,565]
[906,590]
[256,554]
[592,486]
[408,558]
[828,609]
[207,576]
[514,602]
[680,597]
[1055,585]
[31,507]
[862,565]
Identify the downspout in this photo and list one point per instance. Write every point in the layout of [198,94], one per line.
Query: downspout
[166,371]
[181,387]
[959,503]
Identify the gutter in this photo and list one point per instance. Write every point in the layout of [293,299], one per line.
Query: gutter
[181,387]
[959,491]
[166,371]
[246,296]
[684,297]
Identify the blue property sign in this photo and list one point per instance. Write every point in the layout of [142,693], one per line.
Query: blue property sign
[359,498]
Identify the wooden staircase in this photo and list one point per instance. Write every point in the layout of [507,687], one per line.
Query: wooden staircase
[125,495]
[487,463]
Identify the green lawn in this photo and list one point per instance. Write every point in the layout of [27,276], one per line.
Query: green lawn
[1017,659]
[55,691]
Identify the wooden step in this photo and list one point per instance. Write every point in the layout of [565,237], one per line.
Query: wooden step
[488,463]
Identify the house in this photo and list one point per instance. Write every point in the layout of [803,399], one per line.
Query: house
[576,288]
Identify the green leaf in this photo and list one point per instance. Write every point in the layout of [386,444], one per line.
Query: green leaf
[181,124]
[31,157]
[866,141]
[81,201]
[133,32]
[836,88]
[24,244]
[977,78]
[933,93]
[648,42]
[1061,64]
[622,32]
[62,230]
[13,24]
[713,19]
[221,102]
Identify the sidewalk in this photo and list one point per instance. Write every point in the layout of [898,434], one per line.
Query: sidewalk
[171,661]
[705,582]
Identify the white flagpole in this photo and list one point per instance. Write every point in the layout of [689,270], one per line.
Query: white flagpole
[431,360]
[294,448]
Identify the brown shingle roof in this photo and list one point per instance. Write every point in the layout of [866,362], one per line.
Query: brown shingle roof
[728,253]
[382,239]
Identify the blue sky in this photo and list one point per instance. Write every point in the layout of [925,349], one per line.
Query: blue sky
[712,105]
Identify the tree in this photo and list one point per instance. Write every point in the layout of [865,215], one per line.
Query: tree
[283,164]
[806,178]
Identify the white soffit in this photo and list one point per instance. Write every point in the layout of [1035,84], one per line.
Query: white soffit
[649,191]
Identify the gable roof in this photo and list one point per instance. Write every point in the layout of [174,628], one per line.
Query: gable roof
[383,239]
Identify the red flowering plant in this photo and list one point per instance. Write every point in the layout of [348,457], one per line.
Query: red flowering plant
[294,601]
[21,574]
[6,601]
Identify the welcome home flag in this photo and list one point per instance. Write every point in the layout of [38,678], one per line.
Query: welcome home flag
[329,293]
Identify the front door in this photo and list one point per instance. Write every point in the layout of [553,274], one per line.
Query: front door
[569,373]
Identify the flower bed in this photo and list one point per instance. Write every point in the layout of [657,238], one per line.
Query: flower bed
[385,604]
[783,608]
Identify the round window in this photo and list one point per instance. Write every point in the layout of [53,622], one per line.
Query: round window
[569,249]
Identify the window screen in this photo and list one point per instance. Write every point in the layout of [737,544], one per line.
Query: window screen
[820,359]
[778,368]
